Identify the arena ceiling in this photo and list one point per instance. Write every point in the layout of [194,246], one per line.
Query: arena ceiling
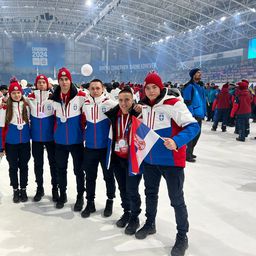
[181,28]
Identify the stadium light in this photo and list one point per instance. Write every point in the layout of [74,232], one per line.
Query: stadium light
[89,3]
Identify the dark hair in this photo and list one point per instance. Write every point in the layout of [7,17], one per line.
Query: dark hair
[85,86]
[116,85]
[3,87]
[126,89]
[9,111]
[96,80]
[108,87]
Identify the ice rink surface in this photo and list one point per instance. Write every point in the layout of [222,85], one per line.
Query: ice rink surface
[220,192]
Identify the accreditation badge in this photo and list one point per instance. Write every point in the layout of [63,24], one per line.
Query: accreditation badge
[63,119]
[41,114]
[123,145]
[20,127]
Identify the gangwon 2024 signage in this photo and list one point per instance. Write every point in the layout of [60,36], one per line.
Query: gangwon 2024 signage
[38,54]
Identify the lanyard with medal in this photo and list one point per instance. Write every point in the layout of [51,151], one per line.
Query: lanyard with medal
[122,142]
[19,119]
[41,109]
[63,119]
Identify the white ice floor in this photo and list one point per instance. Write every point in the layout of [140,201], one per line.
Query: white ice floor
[220,192]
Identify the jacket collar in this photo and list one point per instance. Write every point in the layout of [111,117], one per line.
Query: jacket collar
[97,100]
[112,113]
[41,95]
[16,104]
[165,94]
[57,91]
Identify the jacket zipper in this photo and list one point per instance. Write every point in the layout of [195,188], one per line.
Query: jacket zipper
[150,155]
[67,114]
[40,116]
[94,121]
[19,121]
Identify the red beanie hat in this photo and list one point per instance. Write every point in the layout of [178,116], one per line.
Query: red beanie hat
[242,85]
[154,78]
[64,72]
[41,77]
[14,86]
[245,81]
[225,85]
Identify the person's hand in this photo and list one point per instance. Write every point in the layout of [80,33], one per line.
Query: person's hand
[2,154]
[137,108]
[170,144]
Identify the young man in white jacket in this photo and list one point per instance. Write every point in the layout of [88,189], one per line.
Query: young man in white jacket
[171,119]
[96,142]
[42,124]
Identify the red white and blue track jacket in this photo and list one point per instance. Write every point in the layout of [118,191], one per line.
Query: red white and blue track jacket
[97,123]
[170,118]
[17,131]
[42,116]
[68,128]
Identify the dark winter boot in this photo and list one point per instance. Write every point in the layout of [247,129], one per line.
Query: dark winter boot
[180,246]
[79,204]
[90,208]
[190,159]
[214,129]
[62,200]
[132,226]
[193,156]
[122,222]
[147,229]
[23,195]
[39,194]
[55,194]
[108,208]
[240,139]
[224,128]
[16,196]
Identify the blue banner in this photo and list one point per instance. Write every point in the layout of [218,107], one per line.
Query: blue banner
[33,54]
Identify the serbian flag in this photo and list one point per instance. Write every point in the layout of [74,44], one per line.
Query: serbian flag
[142,139]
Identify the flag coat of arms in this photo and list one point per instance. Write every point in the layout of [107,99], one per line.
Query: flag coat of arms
[142,140]
[147,145]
